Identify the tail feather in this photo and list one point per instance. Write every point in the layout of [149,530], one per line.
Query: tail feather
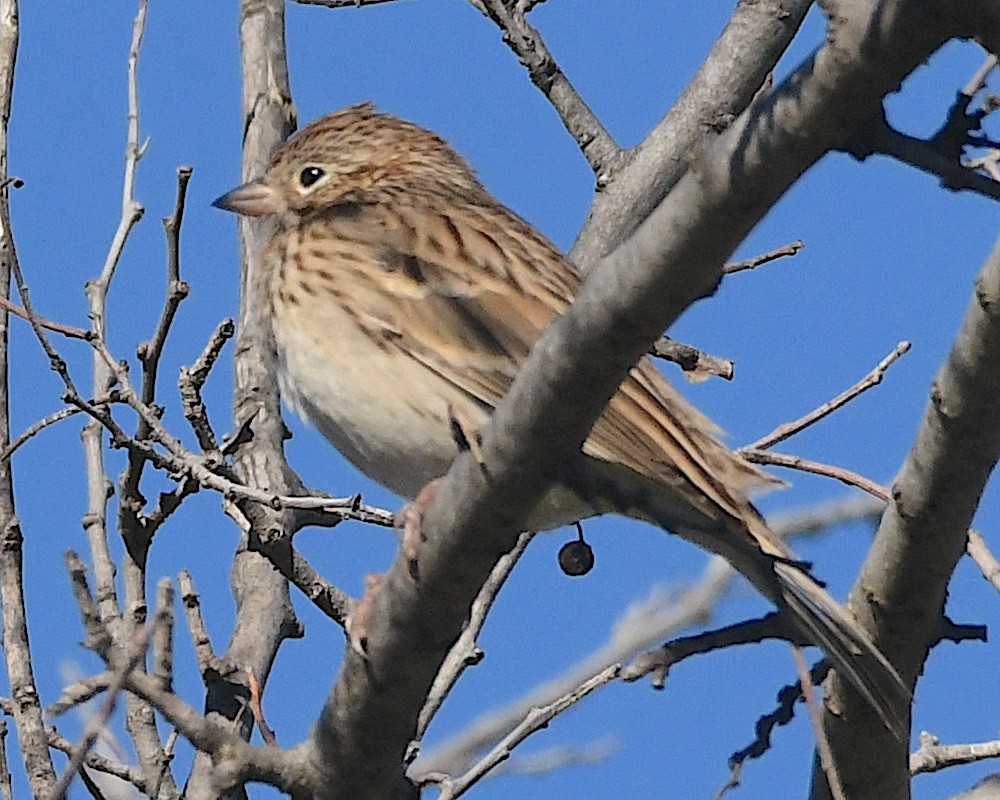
[735,530]
[847,646]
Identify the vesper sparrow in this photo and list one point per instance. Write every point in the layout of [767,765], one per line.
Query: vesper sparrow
[404,297]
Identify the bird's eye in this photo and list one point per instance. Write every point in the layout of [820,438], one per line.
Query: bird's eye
[310,175]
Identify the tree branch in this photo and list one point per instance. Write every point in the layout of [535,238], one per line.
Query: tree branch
[27,711]
[519,35]
[901,590]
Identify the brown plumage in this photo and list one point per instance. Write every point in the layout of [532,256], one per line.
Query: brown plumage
[404,295]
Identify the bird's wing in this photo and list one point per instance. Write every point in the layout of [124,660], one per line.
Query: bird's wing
[467,293]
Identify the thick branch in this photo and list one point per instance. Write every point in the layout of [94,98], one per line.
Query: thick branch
[264,615]
[723,87]
[901,590]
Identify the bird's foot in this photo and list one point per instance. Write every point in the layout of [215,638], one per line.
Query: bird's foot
[357,621]
[410,520]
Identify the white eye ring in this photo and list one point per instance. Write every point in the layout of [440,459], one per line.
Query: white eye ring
[311,176]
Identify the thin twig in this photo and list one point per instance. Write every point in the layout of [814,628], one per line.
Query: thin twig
[928,157]
[193,378]
[341,3]
[465,652]
[177,290]
[168,756]
[56,327]
[90,785]
[873,378]
[56,416]
[782,714]
[257,709]
[150,352]
[203,651]
[658,662]
[596,144]
[168,503]
[535,720]
[100,720]
[179,461]
[826,761]
[696,364]
[76,694]
[136,529]
[784,251]
[95,761]
[163,634]
[933,756]
[978,80]
[333,602]
[665,613]
[978,550]
[755,456]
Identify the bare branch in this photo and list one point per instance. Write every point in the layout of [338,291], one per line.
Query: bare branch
[665,613]
[873,378]
[78,693]
[725,85]
[193,378]
[977,548]
[6,785]
[696,365]
[536,719]
[927,157]
[264,613]
[784,251]
[846,476]
[56,416]
[466,652]
[100,720]
[900,593]
[933,756]
[206,657]
[828,765]
[341,3]
[68,331]
[594,141]
[27,712]
[658,662]
[782,714]
[163,635]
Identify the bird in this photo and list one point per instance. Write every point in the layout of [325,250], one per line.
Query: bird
[403,299]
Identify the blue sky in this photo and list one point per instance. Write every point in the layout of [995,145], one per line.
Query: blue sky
[889,255]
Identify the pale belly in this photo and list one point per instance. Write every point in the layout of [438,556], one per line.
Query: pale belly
[386,414]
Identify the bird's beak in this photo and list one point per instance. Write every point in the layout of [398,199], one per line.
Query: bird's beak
[253,199]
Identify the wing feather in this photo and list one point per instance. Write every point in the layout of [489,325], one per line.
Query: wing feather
[474,329]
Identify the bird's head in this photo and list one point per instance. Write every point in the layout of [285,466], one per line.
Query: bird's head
[354,155]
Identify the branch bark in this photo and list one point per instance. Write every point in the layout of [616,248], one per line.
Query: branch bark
[902,588]
[264,615]
[27,710]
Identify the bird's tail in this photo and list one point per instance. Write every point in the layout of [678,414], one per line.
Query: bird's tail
[724,522]
[847,645]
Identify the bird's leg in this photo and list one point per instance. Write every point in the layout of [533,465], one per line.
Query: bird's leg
[357,621]
[410,520]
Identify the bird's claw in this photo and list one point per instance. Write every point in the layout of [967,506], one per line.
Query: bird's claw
[410,520]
